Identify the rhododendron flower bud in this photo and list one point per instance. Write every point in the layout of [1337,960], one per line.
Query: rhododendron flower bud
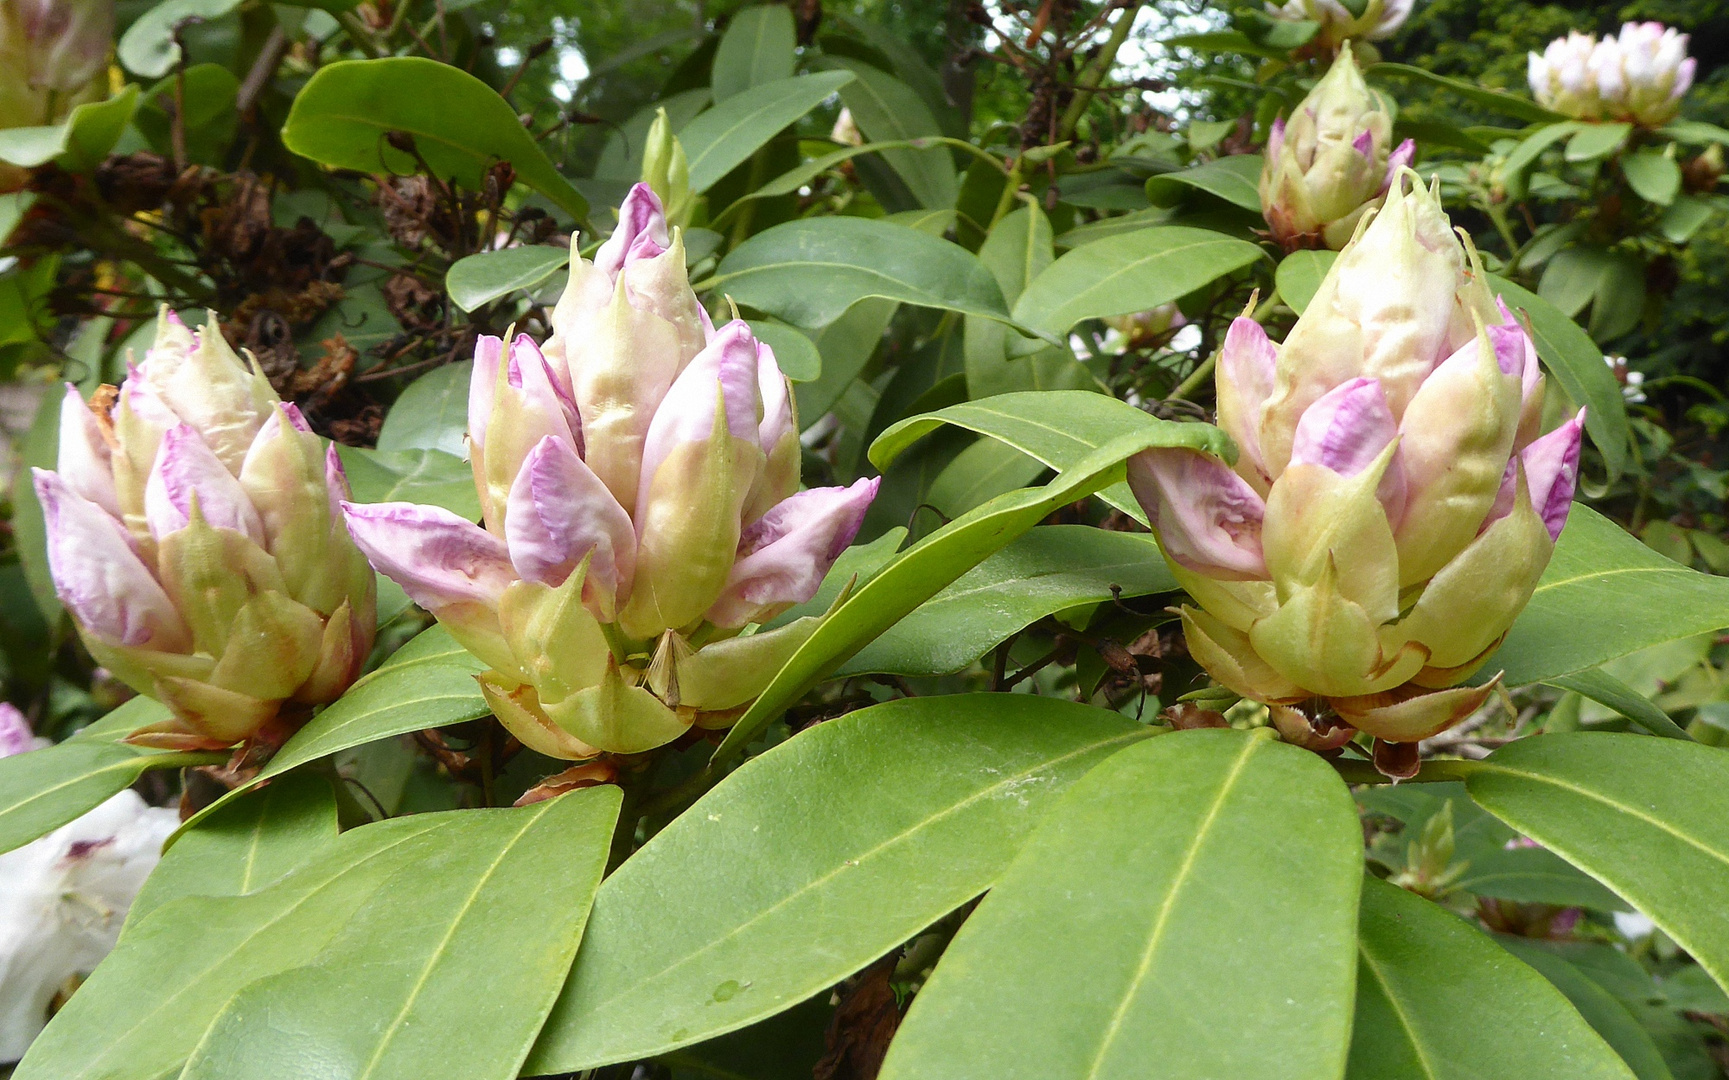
[1639,75]
[1330,163]
[1392,503]
[667,172]
[633,537]
[1379,18]
[52,54]
[194,536]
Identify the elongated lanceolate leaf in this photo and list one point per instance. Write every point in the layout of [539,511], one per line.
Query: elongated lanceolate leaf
[1606,1015]
[1190,907]
[1234,179]
[478,280]
[449,969]
[804,866]
[1422,979]
[721,138]
[1605,595]
[1648,817]
[756,49]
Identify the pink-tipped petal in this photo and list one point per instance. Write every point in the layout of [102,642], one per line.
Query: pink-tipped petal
[335,481]
[1515,351]
[1247,362]
[1207,517]
[1346,429]
[1552,472]
[186,469]
[296,418]
[559,513]
[99,577]
[776,400]
[1276,138]
[482,385]
[84,461]
[1400,158]
[15,734]
[639,218]
[1684,73]
[1364,143]
[437,557]
[687,413]
[784,554]
[531,373]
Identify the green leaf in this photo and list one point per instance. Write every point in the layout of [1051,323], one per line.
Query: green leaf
[1496,100]
[810,271]
[1127,273]
[846,345]
[78,143]
[1235,179]
[425,684]
[1653,175]
[459,124]
[143,1010]
[1597,140]
[491,919]
[1609,1017]
[1684,217]
[1152,918]
[477,280]
[1111,226]
[756,49]
[1058,427]
[1300,274]
[1529,149]
[1606,689]
[1647,817]
[725,136]
[1049,569]
[422,476]
[924,570]
[794,351]
[1696,132]
[1598,568]
[431,414]
[44,789]
[980,472]
[805,845]
[1577,364]
[148,47]
[1421,984]
[887,109]
[248,845]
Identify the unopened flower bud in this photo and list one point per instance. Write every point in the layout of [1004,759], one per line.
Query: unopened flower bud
[1639,75]
[1392,504]
[666,171]
[195,537]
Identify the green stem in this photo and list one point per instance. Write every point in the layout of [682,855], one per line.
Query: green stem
[1433,771]
[1096,72]
[360,34]
[1011,187]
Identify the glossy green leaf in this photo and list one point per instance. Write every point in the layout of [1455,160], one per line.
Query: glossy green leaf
[924,570]
[1653,175]
[1596,140]
[1647,817]
[1606,689]
[810,271]
[725,136]
[144,1009]
[41,790]
[1127,273]
[1235,179]
[756,49]
[980,472]
[887,109]
[1111,226]
[1598,568]
[1058,428]
[1684,217]
[421,476]
[449,969]
[459,124]
[431,413]
[1576,362]
[846,345]
[1523,156]
[1016,251]
[477,280]
[77,143]
[1606,1015]
[1050,569]
[804,845]
[427,683]
[793,349]
[1696,132]
[1519,108]
[248,845]
[1300,275]
[148,48]
[1152,918]
[1423,977]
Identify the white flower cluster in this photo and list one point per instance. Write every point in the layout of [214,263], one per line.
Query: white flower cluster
[1639,75]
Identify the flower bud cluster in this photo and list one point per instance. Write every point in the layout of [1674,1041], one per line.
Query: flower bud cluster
[1393,502]
[639,481]
[195,537]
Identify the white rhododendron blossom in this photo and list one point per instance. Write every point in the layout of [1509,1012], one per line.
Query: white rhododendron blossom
[1638,75]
